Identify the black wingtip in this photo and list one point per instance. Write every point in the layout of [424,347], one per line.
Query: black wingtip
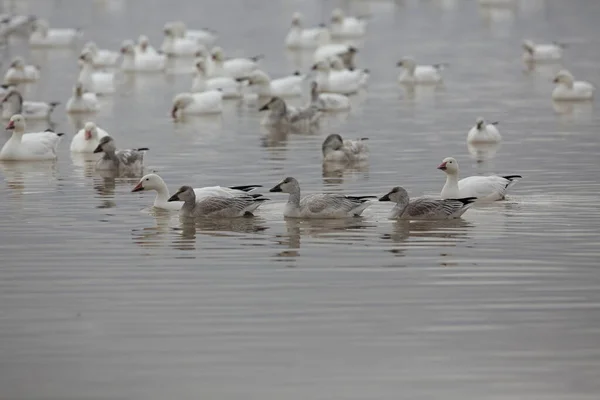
[143,149]
[49,130]
[467,200]
[512,177]
[60,134]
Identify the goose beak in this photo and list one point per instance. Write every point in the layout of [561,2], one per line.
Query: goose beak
[276,189]
[88,135]
[175,197]
[442,166]
[174,112]
[385,198]
[399,64]
[98,149]
[137,188]
[264,108]
[555,80]
[11,125]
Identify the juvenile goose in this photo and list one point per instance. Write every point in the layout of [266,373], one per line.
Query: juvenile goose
[484,133]
[43,36]
[94,81]
[419,74]
[88,138]
[299,37]
[81,102]
[12,103]
[279,114]
[328,101]
[28,146]
[141,62]
[215,206]
[342,82]
[122,161]
[155,182]
[19,72]
[231,88]
[234,67]
[542,52]
[567,88]
[336,149]
[343,27]
[209,102]
[485,188]
[101,57]
[320,205]
[424,208]
[288,86]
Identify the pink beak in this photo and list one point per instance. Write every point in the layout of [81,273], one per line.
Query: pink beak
[11,125]
[88,135]
[442,166]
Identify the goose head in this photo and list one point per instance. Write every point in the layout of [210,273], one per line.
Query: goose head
[18,63]
[201,66]
[337,16]
[288,185]
[321,66]
[449,165]
[480,123]
[564,77]
[90,130]
[529,46]
[78,90]
[258,77]
[297,20]
[106,145]
[408,63]
[185,193]
[149,182]
[16,123]
[86,57]
[398,195]
[127,47]
[182,100]
[143,42]
[332,142]
[217,54]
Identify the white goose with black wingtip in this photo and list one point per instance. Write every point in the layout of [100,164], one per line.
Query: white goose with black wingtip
[36,146]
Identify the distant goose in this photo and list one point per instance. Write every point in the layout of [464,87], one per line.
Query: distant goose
[485,188]
[235,67]
[99,82]
[141,62]
[205,36]
[208,102]
[19,72]
[23,146]
[320,205]
[424,208]
[287,86]
[328,101]
[81,102]
[215,206]
[419,74]
[12,103]
[342,82]
[43,36]
[542,52]
[567,88]
[122,161]
[143,46]
[230,87]
[88,138]
[343,27]
[336,149]
[279,114]
[101,57]
[484,133]
[299,37]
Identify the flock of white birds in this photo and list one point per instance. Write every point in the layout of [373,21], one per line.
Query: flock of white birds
[333,78]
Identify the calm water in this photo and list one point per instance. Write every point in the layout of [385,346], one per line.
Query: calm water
[101,298]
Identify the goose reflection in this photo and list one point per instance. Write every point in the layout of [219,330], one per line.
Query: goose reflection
[573,110]
[105,189]
[21,175]
[85,163]
[482,152]
[273,136]
[155,236]
[428,233]
[334,171]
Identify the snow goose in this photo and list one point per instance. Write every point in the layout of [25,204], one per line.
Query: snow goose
[485,188]
[235,67]
[305,38]
[156,183]
[542,52]
[319,205]
[12,103]
[94,81]
[209,102]
[143,46]
[28,146]
[88,138]
[101,57]
[138,62]
[337,65]
[425,208]
[281,115]
[43,36]
[567,88]
[205,36]
[176,46]
[419,74]
[336,149]
[122,161]
[325,51]
[21,73]
[231,88]
[215,206]
[81,102]
[288,86]
[343,82]
[484,133]
[328,101]
[343,27]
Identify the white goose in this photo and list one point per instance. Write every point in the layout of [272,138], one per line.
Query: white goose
[176,46]
[81,102]
[425,208]
[235,67]
[88,138]
[542,52]
[43,36]
[143,46]
[343,82]
[12,103]
[231,88]
[205,37]
[215,206]
[156,183]
[419,74]
[336,149]
[484,133]
[19,72]
[320,205]
[130,161]
[328,101]
[94,81]
[567,88]
[328,50]
[337,64]
[305,38]
[101,57]
[141,62]
[485,188]
[343,27]
[28,146]
[208,102]
[288,86]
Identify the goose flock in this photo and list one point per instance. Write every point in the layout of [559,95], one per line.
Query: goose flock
[330,81]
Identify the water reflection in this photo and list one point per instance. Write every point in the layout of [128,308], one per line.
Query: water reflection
[20,175]
[334,172]
[105,188]
[482,152]
[153,236]
[85,163]
[571,110]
